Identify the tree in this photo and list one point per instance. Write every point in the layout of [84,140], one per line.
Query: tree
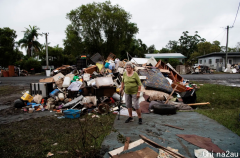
[73,43]
[204,48]
[215,46]
[151,49]
[188,44]
[173,47]
[55,55]
[29,41]
[164,50]
[238,47]
[137,49]
[193,58]
[9,53]
[103,28]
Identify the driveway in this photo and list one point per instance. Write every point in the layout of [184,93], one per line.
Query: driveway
[222,79]
[193,123]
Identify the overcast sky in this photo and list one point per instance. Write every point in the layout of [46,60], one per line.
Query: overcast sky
[158,20]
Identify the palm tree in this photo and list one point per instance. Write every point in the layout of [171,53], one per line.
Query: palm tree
[29,40]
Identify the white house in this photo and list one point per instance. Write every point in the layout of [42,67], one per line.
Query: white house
[217,59]
[166,56]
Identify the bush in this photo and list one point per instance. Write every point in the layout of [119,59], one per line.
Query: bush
[31,63]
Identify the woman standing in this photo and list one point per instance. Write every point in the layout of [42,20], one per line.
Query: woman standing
[132,87]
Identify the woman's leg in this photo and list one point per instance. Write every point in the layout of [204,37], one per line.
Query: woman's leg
[139,113]
[130,112]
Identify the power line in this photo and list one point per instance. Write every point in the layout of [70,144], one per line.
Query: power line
[236,15]
[218,34]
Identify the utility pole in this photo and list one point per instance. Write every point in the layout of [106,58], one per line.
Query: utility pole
[227,47]
[46,34]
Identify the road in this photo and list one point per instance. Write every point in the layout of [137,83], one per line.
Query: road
[225,79]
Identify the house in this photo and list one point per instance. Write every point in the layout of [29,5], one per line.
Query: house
[167,56]
[217,59]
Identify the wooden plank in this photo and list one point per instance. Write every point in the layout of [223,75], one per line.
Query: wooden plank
[171,94]
[143,153]
[47,80]
[174,154]
[164,71]
[131,145]
[126,145]
[198,104]
[173,126]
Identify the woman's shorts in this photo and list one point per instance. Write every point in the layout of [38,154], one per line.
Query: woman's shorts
[131,101]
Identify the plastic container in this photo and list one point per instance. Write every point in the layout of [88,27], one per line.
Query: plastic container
[27,97]
[61,96]
[72,113]
[107,65]
[48,72]
[54,92]
[112,66]
[116,96]
[66,82]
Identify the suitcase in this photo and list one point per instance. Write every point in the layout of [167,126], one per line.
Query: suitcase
[41,88]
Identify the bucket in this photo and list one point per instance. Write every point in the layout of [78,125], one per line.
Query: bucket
[66,82]
[5,74]
[107,65]
[116,96]
[47,72]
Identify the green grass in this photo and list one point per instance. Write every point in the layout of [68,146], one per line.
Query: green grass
[8,90]
[224,105]
[35,137]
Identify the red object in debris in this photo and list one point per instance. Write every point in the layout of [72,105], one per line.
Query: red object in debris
[11,70]
[42,101]
[5,73]
[112,100]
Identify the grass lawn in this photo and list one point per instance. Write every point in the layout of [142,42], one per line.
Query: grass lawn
[62,137]
[83,137]
[224,105]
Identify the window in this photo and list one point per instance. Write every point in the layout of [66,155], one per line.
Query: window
[200,61]
[210,61]
[204,61]
[217,60]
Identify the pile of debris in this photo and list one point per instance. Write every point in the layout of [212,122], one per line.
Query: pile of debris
[95,88]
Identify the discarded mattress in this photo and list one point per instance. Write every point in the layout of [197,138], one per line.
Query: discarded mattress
[156,80]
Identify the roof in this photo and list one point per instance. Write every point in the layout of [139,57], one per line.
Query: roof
[166,55]
[221,54]
[139,60]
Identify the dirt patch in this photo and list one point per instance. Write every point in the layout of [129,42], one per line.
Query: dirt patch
[8,94]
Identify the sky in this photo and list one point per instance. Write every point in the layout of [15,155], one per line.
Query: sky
[159,21]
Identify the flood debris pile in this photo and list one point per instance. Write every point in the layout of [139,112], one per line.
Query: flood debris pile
[95,87]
